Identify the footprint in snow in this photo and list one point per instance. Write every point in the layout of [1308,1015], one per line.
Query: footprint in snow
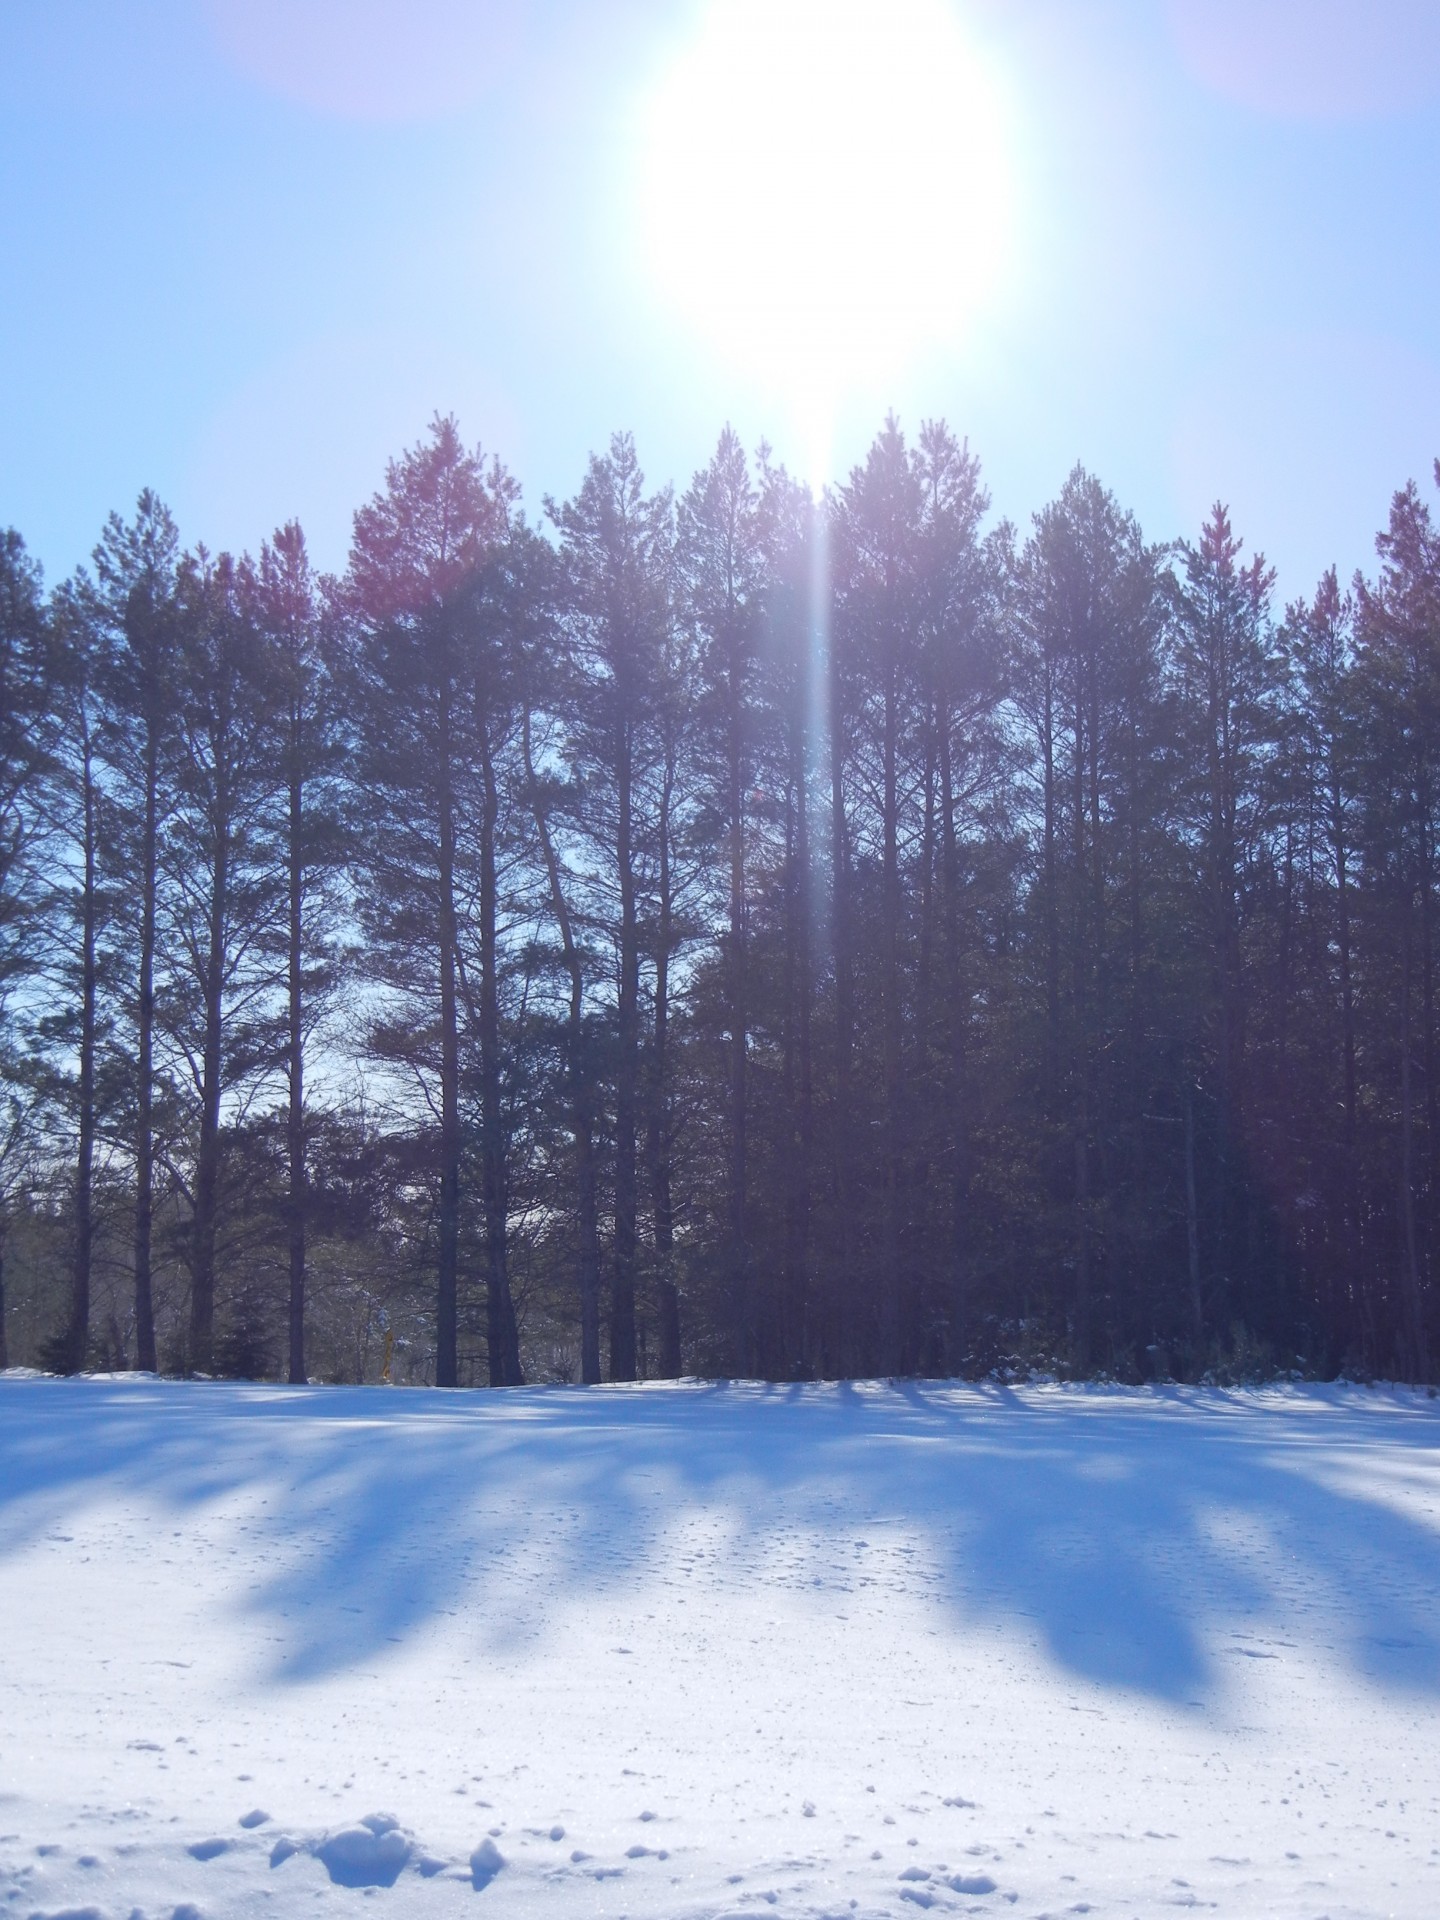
[255,1818]
[208,1849]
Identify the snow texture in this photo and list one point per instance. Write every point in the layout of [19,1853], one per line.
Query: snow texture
[684,1651]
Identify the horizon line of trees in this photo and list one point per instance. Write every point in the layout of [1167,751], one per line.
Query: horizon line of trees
[726,933]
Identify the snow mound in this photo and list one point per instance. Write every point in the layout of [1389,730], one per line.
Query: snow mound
[485,1862]
[372,1854]
[971,1883]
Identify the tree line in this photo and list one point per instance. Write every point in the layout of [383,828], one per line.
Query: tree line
[728,933]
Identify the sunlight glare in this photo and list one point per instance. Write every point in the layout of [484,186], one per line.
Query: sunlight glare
[826,188]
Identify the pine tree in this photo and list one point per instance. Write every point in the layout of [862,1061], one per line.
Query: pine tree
[418,548]
[722,572]
[616,550]
[222,868]
[1399,696]
[27,741]
[135,580]
[312,746]
[81,900]
[1227,665]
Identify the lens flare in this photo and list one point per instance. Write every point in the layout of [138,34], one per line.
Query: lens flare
[826,186]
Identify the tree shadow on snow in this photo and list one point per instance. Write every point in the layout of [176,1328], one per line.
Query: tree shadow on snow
[1134,1532]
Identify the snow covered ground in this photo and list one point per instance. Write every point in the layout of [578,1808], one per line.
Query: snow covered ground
[695,1650]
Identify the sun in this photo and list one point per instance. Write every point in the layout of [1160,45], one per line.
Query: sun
[826,187]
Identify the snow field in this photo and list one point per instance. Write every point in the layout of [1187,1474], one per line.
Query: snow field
[717,1650]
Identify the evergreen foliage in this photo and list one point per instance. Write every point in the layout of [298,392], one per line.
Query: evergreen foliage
[738,933]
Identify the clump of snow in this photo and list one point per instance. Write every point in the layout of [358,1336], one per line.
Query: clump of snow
[971,1883]
[369,1855]
[485,1862]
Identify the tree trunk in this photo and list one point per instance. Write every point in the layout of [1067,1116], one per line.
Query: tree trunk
[502,1330]
[1415,1359]
[844,1154]
[1083,1276]
[1350,1230]
[1052,894]
[1427,989]
[448,1250]
[1347,989]
[622,1296]
[578,1077]
[890,1330]
[957,1020]
[746,1322]
[1080,958]
[1095,1128]
[659,1140]
[295,1116]
[207,1164]
[145,1358]
[78,1333]
[1192,1221]
[798,1078]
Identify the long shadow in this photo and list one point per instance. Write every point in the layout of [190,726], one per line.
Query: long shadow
[1130,1531]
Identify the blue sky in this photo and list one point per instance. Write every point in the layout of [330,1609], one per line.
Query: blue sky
[250,246]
